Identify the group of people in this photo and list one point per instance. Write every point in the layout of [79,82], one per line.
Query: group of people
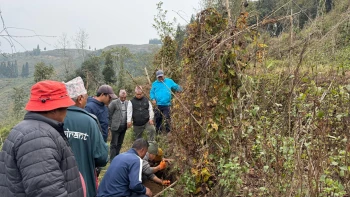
[59,147]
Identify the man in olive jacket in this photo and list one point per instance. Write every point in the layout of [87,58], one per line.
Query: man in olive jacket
[84,136]
[36,159]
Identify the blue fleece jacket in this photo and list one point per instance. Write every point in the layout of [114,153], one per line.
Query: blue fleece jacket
[123,176]
[100,110]
[161,91]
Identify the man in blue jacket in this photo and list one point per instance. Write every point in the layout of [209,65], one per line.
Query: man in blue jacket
[124,176]
[97,105]
[160,95]
[84,136]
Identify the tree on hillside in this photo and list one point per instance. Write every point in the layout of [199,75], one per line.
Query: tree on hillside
[14,69]
[22,73]
[36,51]
[80,40]
[43,72]
[63,44]
[109,71]
[3,69]
[163,27]
[122,55]
[179,38]
[165,59]
[19,101]
[25,70]
[90,72]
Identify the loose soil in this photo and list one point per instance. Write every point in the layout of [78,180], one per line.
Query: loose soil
[154,187]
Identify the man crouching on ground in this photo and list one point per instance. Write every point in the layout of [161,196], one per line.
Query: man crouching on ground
[124,175]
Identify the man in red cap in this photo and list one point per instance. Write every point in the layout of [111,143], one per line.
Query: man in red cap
[36,159]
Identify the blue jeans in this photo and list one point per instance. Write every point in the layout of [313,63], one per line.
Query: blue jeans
[162,110]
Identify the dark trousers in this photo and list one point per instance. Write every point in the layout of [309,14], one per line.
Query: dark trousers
[138,195]
[117,141]
[161,111]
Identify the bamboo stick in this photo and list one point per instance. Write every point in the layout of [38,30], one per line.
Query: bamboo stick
[170,186]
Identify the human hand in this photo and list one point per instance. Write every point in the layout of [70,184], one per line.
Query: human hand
[129,124]
[166,182]
[162,165]
[151,122]
[154,102]
[148,192]
[168,160]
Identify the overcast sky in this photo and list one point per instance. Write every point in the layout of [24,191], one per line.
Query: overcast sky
[106,21]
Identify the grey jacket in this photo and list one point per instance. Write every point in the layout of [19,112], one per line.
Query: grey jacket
[147,170]
[115,114]
[36,160]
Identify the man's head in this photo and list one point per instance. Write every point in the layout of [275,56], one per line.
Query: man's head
[105,94]
[50,98]
[138,92]
[122,95]
[152,150]
[160,75]
[77,92]
[141,147]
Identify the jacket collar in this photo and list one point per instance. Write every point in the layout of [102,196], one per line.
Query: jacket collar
[92,99]
[53,123]
[75,108]
[131,150]
[36,116]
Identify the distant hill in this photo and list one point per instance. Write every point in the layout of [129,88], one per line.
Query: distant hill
[56,58]
[144,48]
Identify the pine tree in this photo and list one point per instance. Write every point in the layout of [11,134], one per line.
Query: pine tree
[26,68]
[15,69]
[108,71]
[2,69]
[23,71]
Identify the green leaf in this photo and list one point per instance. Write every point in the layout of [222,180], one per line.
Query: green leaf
[266,168]
[232,72]
[320,114]
[334,163]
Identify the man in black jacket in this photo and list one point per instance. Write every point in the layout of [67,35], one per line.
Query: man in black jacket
[140,110]
[36,159]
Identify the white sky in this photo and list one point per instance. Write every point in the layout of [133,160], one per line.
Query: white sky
[106,21]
